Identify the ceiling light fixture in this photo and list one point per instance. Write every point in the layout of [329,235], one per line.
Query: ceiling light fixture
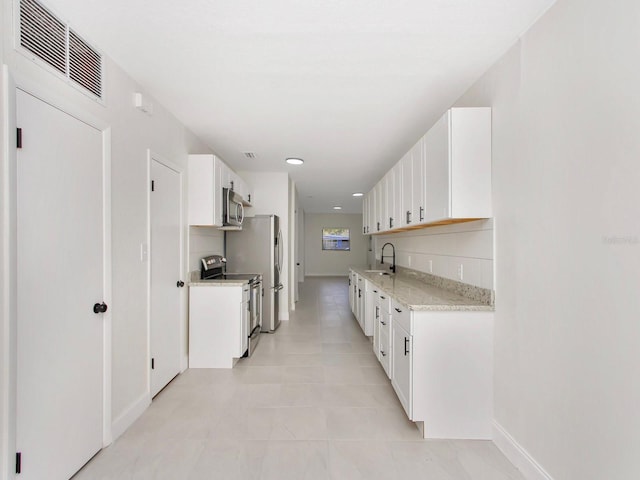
[337,207]
[357,194]
[294,161]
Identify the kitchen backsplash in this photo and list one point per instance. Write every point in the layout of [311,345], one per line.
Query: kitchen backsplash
[462,252]
[204,241]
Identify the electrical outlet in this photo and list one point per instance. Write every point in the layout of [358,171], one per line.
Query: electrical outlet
[430,266]
[409,261]
[460,272]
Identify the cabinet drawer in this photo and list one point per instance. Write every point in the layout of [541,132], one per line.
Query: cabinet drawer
[401,314]
[385,302]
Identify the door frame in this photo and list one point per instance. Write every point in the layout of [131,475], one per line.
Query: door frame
[11,82]
[184,361]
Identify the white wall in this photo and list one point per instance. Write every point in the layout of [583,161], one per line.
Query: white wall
[132,134]
[442,250]
[331,262]
[271,196]
[204,241]
[566,172]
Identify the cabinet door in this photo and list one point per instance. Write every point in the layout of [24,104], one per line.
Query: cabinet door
[398,207]
[365,214]
[372,210]
[418,183]
[402,366]
[380,205]
[470,160]
[205,190]
[351,290]
[437,171]
[388,200]
[375,319]
[407,215]
[385,351]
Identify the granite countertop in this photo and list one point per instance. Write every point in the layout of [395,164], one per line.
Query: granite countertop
[196,281]
[416,294]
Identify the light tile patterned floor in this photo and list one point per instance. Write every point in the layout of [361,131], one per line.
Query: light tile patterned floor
[311,403]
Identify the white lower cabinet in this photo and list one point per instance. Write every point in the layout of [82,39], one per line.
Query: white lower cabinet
[384,321]
[440,364]
[217,325]
[402,374]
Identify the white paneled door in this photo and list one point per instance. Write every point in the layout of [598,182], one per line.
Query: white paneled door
[60,229]
[166,282]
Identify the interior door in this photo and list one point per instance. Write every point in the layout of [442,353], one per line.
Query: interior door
[166,282]
[60,256]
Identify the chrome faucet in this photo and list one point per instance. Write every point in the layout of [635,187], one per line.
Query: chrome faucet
[393,265]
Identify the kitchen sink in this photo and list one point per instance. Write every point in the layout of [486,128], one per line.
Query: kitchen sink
[379,272]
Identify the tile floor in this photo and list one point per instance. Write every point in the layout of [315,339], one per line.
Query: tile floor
[311,403]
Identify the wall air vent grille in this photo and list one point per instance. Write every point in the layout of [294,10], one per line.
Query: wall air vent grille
[85,64]
[54,43]
[249,154]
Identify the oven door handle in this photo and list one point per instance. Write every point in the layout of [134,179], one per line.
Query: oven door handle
[278,287]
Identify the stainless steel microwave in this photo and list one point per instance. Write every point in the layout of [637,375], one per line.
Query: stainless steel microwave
[232,209]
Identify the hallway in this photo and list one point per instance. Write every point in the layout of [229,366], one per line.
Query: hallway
[311,403]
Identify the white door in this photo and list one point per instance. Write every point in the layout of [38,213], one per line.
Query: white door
[166,282]
[60,229]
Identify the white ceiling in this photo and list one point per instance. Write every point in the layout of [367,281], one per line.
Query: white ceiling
[347,85]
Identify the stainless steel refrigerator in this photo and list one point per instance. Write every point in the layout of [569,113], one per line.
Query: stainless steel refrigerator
[257,248]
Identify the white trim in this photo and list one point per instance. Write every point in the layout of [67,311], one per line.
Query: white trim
[184,356]
[107,339]
[517,455]
[8,289]
[130,415]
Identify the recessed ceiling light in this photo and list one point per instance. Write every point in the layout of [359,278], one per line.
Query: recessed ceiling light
[294,161]
[337,207]
[358,194]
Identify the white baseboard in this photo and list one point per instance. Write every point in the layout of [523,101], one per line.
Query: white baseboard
[130,415]
[518,455]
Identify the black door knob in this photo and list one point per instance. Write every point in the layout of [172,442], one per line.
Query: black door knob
[100,307]
[180,284]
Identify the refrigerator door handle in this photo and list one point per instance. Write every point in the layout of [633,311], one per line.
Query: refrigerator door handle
[279,259]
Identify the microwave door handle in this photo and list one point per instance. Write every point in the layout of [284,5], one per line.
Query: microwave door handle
[239,212]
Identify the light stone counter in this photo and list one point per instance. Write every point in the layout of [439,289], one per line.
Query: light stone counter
[196,281]
[411,289]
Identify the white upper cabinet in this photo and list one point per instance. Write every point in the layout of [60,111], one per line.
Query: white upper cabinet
[369,212]
[458,166]
[407,216]
[444,178]
[365,213]
[379,209]
[418,190]
[205,190]
[207,176]
[398,213]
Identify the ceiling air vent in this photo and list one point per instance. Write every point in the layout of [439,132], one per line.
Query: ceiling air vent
[249,154]
[54,43]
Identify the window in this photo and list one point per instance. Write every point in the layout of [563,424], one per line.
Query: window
[335,239]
